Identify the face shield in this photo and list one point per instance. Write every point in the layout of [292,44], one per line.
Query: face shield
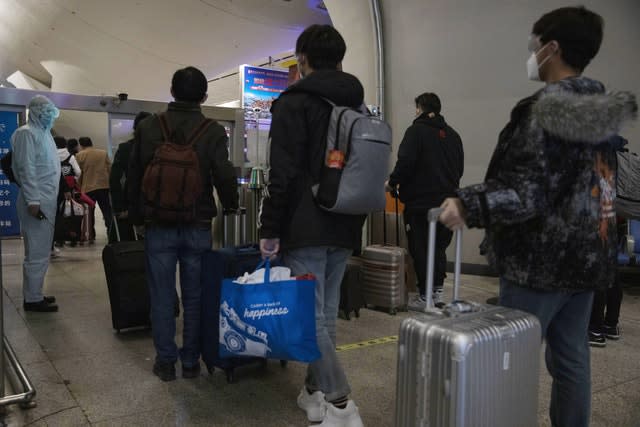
[534,43]
[42,112]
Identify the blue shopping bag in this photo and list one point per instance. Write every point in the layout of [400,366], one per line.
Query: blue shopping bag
[275,320]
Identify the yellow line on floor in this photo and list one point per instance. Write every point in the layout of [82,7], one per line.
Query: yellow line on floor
[368,343]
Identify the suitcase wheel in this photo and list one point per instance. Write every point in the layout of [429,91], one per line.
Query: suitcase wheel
[393,311]
[357,312]
[230,376]
[284,363]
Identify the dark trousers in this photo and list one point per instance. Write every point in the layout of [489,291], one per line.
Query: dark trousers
[101,197]
[609,299]
[417,230]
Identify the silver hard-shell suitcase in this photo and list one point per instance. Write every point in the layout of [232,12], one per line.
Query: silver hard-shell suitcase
[468,364]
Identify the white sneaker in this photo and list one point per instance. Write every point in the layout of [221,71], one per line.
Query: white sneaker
[347,417]
[55,252]
[417,303]
[313,404]
[438,298]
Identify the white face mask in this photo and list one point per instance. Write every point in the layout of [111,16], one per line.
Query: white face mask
[300,70]
[533,67]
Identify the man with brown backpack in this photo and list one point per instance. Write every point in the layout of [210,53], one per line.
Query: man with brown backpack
[178,157]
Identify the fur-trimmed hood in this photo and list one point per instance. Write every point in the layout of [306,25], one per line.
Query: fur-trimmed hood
[578,110]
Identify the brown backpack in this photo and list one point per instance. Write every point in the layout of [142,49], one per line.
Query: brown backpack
[172,181]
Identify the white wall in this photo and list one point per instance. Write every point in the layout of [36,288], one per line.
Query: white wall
[473,55]
[354,21]
[74,124]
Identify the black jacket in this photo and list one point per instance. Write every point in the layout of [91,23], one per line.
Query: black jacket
[118,177]
[213,155]
[430,164]
[298,140]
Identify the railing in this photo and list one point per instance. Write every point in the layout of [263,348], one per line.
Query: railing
[17,376]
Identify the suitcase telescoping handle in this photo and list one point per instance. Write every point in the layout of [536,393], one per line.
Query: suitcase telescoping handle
[431,255]
[395,196]
[114,224]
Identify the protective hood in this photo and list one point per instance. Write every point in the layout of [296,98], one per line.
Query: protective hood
[42,113]
[578,110]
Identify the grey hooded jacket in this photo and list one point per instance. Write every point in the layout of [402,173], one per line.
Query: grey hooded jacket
[547,202]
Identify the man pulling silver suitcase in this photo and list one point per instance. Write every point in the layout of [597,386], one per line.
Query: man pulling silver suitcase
[468,364]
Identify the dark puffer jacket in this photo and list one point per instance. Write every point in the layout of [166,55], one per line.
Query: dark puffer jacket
[213,156]
[430,164]
[548,197]
[298,141]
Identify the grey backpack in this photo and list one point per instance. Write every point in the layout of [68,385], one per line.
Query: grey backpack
[628,185]
[356,163]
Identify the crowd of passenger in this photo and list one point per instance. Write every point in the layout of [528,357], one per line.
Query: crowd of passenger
[546,203]
[88,179]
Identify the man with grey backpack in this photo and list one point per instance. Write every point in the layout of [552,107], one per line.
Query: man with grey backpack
[309,213]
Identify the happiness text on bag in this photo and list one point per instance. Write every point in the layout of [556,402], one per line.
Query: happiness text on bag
[258,311]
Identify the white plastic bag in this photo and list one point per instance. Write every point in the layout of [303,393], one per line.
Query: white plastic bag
[66,210]
[78,209]
[277,274]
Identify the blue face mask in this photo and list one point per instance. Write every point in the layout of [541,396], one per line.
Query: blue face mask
[47,121]
[42,112]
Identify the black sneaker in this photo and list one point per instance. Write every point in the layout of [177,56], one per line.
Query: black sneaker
[611,332]
[164,370]
[596,339]
[40,306]
[192,372]
[48,300]
[493,301]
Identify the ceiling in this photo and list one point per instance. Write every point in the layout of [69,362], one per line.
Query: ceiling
[99,47]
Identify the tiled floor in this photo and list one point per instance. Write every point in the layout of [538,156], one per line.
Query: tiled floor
[86,374]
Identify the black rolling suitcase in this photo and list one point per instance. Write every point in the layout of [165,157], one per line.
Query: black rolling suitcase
[240,259]
[124,267]
[351,298]
[228,262]
[215,265]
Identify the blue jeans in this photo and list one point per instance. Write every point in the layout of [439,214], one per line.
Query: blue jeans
[327,264]
[564,318]
[165,247]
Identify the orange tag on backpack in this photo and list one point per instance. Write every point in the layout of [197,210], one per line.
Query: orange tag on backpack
[335,159]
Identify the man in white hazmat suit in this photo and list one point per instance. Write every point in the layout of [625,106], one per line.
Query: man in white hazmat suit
[36,167]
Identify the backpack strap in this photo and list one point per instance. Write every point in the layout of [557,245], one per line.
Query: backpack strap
[199,131]
[164,126]
[363,108]
[67,159]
